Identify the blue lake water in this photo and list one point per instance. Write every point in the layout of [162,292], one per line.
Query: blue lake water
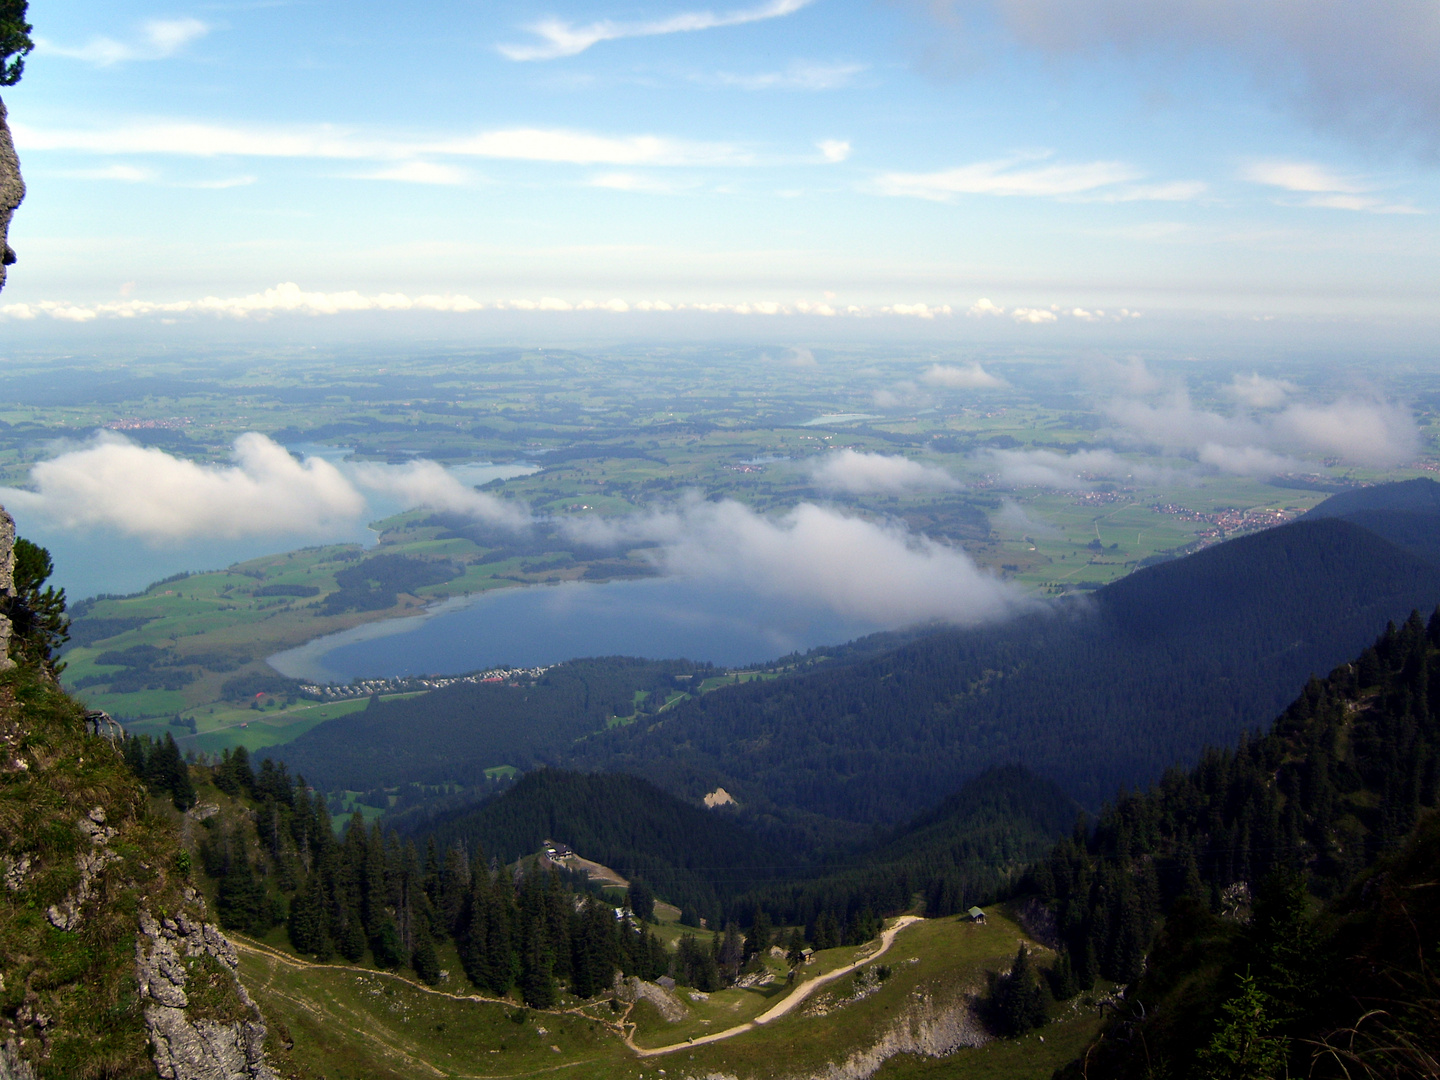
[659,618]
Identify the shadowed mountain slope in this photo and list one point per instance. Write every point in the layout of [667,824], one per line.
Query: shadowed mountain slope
[1095,695]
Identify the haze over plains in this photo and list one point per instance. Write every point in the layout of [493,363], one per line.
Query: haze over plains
[1013,170]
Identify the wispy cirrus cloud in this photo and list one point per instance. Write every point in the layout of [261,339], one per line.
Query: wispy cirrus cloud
[327,142]
[1108,181]
[1323,188]
[799,75]
[158,39]
[559,38]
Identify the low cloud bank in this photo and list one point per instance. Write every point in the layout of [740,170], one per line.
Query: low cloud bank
[1379,434]
[142,491]
[289,298]
[858,473]
[112,483]
[815,555]
[876,571]
[1067,472]
[970,377]
[424,483]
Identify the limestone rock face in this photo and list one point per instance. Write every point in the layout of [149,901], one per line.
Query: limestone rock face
[11,1066]
[186,1047]
[12,191]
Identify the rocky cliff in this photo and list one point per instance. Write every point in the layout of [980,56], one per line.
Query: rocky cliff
[12,191]
[108,964]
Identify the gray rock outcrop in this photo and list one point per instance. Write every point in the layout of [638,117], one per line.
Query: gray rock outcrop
[11,1065]
[12,192]
[187,1047]
[670,1007]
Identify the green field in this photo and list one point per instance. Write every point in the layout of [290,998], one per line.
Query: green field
[349,1022]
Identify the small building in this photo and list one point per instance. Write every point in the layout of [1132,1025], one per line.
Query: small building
[666,981]
[975,915]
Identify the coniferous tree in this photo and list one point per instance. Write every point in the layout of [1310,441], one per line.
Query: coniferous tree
[424,960]
[1019,1001]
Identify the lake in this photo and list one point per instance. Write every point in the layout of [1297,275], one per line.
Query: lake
[658,618]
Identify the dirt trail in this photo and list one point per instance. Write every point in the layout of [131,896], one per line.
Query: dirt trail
[780,1008]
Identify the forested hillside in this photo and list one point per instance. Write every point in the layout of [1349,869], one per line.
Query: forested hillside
[1095,695]
[693,857]
[968,850]
[451,736]
[1230,850]
[271,858]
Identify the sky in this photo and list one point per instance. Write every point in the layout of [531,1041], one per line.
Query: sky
[1023,166]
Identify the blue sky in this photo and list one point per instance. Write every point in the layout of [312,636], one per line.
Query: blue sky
[1056,158]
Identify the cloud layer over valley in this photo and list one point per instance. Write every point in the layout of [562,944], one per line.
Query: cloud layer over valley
[111,483]
[875,571]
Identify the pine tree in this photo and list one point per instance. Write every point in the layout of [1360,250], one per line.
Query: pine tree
[424,960]
[1243,1046]
[1019,1003]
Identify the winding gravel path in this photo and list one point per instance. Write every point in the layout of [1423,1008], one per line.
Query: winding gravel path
[780,1008]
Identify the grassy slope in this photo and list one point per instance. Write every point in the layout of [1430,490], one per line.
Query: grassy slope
[350,1023]
[82,980]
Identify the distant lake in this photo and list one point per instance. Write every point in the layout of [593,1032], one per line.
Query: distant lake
[658,618]
[839,418]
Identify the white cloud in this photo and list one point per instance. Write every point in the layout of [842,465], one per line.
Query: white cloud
[561,39]
[1033,316]
[419,172]
[1298,176]
[1325,189]
[585,148]
[327,142]
[143,491]
[1371,433]
[159,40]
[1006,177]
[1246,460]
[127,174]
[424,483]
[970,377]
[1132,376]
[1362,432]
[288,298]
[800,75]
[918,311]
[111,483]
[816,555]
[984,307]
[878,474]
[801,357]
[1259,392]
[834,150]
[1066,472]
